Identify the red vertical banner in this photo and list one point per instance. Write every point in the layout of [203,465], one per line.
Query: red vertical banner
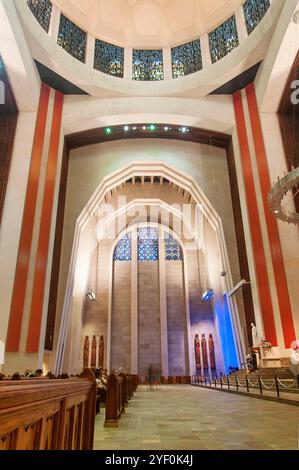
[254,222]
[41,261]
[22,267]
[272,228]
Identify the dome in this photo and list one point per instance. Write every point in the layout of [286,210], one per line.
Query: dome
[148,23]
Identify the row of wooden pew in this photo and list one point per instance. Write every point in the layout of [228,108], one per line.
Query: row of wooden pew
[120,390]
[45,414]
[49,413]
[171,380]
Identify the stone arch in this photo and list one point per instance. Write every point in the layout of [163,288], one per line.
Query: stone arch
[109,183]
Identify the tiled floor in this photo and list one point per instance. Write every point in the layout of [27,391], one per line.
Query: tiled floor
[181,417]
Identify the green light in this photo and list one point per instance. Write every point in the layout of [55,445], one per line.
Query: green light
[152,127]
[108,130]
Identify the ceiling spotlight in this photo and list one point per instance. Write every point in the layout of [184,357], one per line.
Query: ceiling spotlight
[134,128]
[144,128]
[108,130]
[126,128]
[91,296]
[184,130]
[207,295]
[166,128]
[152,127]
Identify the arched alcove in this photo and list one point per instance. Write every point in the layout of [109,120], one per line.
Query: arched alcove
[77,280]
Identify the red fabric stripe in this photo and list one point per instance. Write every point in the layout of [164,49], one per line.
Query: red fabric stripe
[20,282]
[275,245]
[34,329]
[255,226]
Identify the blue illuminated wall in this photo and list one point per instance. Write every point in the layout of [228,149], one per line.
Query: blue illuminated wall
[226,334]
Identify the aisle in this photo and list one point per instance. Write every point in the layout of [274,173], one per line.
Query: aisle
[182,417]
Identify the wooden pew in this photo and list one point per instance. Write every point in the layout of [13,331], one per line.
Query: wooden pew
[120,390]
[125,389]
[115,404]
[135,382]
[130,387]
[46,414]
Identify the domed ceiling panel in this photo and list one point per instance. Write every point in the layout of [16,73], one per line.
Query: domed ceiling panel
[148,23]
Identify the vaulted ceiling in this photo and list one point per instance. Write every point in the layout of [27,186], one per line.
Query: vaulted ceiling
[148,23]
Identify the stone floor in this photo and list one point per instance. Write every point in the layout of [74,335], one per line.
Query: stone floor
[181,417]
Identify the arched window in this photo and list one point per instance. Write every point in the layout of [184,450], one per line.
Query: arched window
[173,251]
[123,251]
[148,244]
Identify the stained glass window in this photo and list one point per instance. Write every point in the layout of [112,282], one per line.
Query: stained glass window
[148,65]
[186,59]
[109,58]
[148,244]
[223,39]
[254,11]
[173,251]
[72,38]
[123,251]
[42,10]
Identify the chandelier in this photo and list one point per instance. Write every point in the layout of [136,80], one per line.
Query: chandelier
[286,188]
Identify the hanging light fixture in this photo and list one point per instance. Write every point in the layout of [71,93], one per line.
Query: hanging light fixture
[286,186]
[282,196]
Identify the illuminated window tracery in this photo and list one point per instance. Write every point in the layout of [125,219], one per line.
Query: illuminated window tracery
[186,59]
[254,11]
[42,10]
[223,39]
[173,251]
[148,244]
[148,65]
[109,58]
[72,38]
[123,251]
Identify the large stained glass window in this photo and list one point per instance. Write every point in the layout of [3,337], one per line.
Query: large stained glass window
[72,38]
[148,244]
[254,11]
[109,58]
[186,59]
[173,251]
[123,251]
[42,10]
[148,65]
[223,39]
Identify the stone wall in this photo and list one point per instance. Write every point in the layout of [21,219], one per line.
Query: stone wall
[121,317]
[176,318]
[149,328]
[95,318]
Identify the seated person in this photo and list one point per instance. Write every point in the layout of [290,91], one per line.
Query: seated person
[101,380]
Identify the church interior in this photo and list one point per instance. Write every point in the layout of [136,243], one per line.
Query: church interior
[149,212]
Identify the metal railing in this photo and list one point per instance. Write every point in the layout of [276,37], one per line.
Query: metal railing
[257,384]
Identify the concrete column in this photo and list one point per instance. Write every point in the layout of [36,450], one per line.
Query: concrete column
[54,23]
[128,63]
[167,63]
[205,50]
[90,47]
[134,304]
[163,305]
[241,25]
[190,349]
